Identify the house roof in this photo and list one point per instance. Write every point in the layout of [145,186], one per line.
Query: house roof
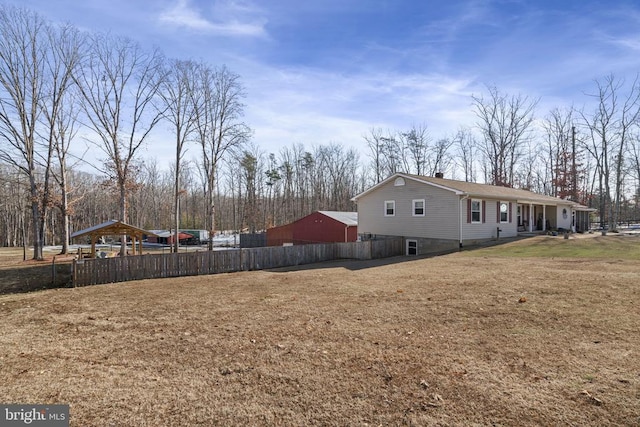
[111,227]
[472,189]
[347,218]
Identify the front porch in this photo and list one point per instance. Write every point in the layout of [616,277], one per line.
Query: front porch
[534,218]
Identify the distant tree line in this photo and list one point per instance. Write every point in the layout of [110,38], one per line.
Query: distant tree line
[64,92]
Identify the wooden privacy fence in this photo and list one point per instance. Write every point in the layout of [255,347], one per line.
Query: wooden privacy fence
[152,266]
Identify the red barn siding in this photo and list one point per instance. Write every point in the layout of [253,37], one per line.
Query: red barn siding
[319,228]
[278,236]
[313,228]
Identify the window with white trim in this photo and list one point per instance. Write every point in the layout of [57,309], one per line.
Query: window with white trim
[476,211]
[418,207]
[412,247]
[504,212]
[390,208]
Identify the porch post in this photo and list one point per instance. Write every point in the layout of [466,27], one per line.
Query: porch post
[93,245]
[544,217]
[530,217]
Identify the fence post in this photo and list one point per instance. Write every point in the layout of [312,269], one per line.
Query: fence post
[53,270]
[74,278]
[97,271]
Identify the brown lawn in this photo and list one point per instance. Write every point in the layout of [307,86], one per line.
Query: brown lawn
[462,339]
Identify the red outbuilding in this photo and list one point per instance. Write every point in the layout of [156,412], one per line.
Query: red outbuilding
[318,227]
[168,238]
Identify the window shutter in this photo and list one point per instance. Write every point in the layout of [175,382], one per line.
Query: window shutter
[468,211]
[510,216]
[498,212]
[484,211]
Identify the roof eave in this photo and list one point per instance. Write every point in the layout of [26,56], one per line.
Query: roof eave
[405,176]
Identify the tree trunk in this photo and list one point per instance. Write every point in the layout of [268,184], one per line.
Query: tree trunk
[65,232]
[35,219]
[176,200]
[64,209]
[211,210]
[123,216]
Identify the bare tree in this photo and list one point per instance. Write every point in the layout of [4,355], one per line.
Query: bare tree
[59,112]
[440,159]
[305,171]
[627,130]
[288,161]
[339,167]
[610,128]
[219,129]
[24,46]
[119,83]
[273,179]
[562,159]
[66,129]
[156,187]
[395,158]
[13,212]
[527,175]
[466,144]
[416,146]
[178,94]
[249,169]
[375,141]
[388,152]
[505,123]
[634,167]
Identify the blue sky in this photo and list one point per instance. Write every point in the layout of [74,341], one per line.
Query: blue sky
[327,71]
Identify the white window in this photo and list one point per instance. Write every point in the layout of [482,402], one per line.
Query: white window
[390,208]
[412,247]
[418,207]
[504,212]
[476,211]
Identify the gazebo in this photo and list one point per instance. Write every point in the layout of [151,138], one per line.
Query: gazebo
[113,228]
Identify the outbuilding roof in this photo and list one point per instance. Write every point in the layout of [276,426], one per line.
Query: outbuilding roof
[165,234]
[111,228]
[347,218]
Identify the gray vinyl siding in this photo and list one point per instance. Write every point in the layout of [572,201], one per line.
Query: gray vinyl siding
[445,220]
[439,222]
[561,220]
[488,229]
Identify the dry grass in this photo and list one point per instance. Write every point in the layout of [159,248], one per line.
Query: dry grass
[17,275]
[439,341]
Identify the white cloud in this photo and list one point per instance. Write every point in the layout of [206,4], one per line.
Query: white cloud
[183,14]
[313,107]
[628,43]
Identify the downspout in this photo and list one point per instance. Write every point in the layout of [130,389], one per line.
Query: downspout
[346,234]
[463,198]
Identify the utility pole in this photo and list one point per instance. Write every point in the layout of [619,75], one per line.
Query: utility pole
[574,172]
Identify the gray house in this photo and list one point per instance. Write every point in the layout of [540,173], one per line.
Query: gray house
[436,214]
